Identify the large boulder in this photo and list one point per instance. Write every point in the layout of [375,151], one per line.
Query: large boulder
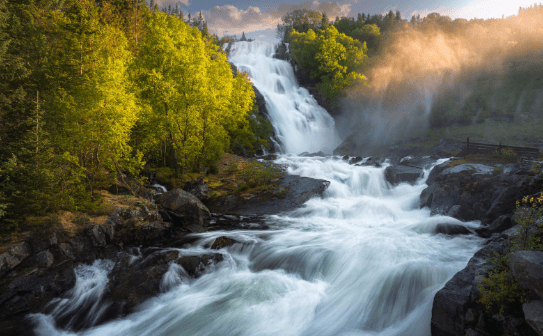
[14,256]
[292,191]
[198,188]
[452,229]
[533,313]
[473,191]
[132,282]
[27,294]
[456,309]
[527,267]
[500,224]
[452,311]
[184,209]
[297,191]
[396,174]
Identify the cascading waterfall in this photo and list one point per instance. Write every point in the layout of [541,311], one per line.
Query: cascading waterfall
[300,124]
[361,260]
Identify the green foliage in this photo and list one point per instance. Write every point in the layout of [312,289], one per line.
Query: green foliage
[499,289]
[90,90]
[506,154]
[330,57]
[192,101]
[254,136]
[256,175]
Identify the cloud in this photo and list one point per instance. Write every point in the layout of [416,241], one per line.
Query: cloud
[480,9]
[229,18]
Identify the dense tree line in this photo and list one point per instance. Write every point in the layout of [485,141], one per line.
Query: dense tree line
[92,90]
[338,53]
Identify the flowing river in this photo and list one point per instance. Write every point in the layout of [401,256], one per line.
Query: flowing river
[361,260]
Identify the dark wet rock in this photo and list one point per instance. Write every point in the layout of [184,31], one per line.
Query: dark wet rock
[147,193]
[29,280]
[527,267]
[223,242]
[293,191]
[39,244]
[500,224]
[132,282]
[453,301]
[452,229]
[355,160]
[231,222]
[80,243]
[144,234]
[298,191]
[198,188]
[185,210]
[456,310]
[476,332]
[195,266]
[474,191]
[533,313]
[45,259]
[396,174]
[96,235]
[508,325]
[30,293]
[14,256]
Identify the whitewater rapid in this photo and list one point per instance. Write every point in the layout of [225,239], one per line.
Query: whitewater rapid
[362,260]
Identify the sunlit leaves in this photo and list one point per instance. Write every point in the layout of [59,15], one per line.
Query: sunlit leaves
[330,57]
[194,102]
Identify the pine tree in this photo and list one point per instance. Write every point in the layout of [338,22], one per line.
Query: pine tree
[243,38]
[324,22]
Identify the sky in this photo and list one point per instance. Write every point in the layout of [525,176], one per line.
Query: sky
[259,18]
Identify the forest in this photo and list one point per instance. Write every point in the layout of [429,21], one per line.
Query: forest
[91,92]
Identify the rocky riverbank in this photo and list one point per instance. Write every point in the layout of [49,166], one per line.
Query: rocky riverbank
[485,192]
[142,242]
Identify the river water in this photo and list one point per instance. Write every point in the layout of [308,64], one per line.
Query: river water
[361,260]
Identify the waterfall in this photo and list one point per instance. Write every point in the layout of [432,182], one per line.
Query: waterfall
[362,260]
[301,125]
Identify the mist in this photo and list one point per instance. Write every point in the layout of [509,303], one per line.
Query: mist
[444,73]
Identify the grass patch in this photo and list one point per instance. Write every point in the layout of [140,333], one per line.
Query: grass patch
[244,177]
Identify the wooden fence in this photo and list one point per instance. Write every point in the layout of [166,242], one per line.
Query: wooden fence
[479,148]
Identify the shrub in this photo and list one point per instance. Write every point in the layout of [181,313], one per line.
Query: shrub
[506,154]
[497,170]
